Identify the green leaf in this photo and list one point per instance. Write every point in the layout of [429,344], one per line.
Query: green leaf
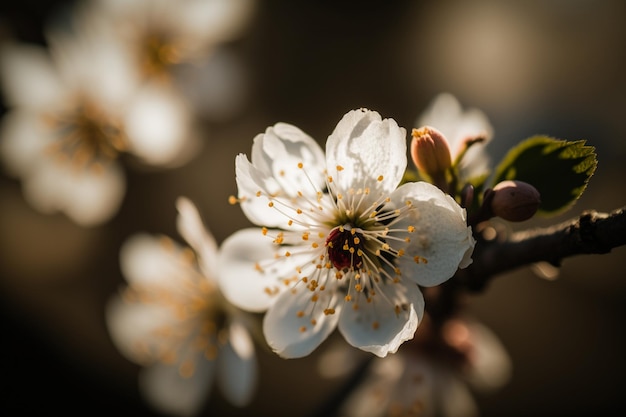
[558,169]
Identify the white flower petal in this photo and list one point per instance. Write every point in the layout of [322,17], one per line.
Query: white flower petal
[148,262]
[382,325]
[371,151]
[250,180]
[192,229]
[236,367]
[214,20]
[491,365]
[24,139]
[442,240]
[133,324]
[28,76]
[94,197]
[275,171]
[279,151]
[157,124]
[168,391]
[288,326]
[88,197]
[239,278]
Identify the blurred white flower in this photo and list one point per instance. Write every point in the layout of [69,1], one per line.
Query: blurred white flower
[458,126]
[428,381]
[342,245]
[177,43]
[173,320]
[72,111]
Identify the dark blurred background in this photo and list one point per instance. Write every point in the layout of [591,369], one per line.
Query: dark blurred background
[555,67]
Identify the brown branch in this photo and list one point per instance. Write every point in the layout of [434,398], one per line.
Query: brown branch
[590,233]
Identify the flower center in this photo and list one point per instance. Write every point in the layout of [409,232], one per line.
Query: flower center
[87,136]
[345,248]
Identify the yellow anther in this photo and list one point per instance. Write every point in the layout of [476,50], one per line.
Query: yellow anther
[302,329]
[300,313]
[356,240]
[329,311]
[264,231]
[258,193]
[299,211]
[232,200]
[300,165]
[270,204]
[375,325]
[348,297]
[339,168]
[411,229]
[380,178]
[314,244]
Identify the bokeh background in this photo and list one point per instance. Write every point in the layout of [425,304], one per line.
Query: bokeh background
[554,67]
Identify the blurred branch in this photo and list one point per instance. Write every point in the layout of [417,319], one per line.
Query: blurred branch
[590,233]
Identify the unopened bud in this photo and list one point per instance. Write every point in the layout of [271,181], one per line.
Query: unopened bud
[515,201]
[430,151]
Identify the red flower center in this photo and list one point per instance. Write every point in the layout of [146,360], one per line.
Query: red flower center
[345,248]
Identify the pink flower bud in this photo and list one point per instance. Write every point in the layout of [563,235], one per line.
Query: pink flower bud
[515,201]
[430,151]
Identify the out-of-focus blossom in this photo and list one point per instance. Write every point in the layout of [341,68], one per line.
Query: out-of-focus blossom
[460,126]
[341,245]
[173,320]
[73,111]
[429,381]
[177,43]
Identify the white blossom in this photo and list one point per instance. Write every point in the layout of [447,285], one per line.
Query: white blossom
[73,110]
[172,319]
[341,245]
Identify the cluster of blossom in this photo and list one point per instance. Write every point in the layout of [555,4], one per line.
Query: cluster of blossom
[344,241]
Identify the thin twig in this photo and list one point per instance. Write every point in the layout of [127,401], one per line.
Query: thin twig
[590,233]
